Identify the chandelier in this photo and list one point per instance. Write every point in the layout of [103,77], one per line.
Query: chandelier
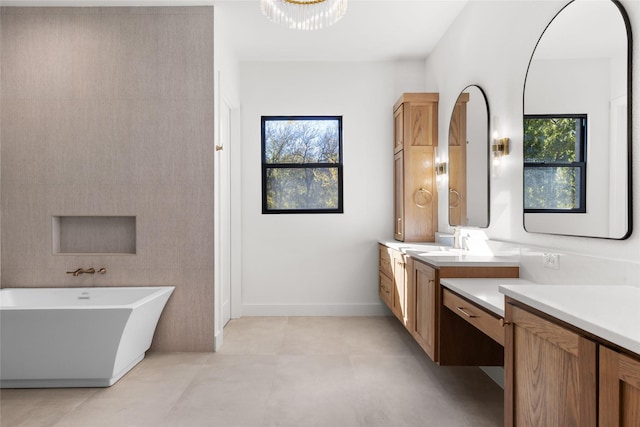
[304,14]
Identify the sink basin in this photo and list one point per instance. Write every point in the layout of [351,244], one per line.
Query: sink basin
[445,251]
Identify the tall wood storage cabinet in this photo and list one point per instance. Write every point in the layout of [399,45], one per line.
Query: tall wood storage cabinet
[415,142]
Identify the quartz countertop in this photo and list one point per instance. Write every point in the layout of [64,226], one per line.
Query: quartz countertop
[611,312]
[484,292]
[438,255]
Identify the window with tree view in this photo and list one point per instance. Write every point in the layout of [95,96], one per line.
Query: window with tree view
[555,163]
[302,164]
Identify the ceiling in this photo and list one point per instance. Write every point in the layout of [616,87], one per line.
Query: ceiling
[371,30]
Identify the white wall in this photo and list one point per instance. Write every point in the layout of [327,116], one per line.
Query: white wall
[227,95]
[321,264]
[490,44]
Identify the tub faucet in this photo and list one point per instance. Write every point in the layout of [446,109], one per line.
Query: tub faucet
[82,271]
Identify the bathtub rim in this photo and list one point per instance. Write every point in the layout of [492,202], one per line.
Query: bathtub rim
[158,291]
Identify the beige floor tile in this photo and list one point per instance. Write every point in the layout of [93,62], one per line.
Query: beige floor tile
[255,335]
[122,412]
[39,407]
[204,417]
[241,403]
[168,367]
[311,371]
[342,335]
[314,390]
[238,368]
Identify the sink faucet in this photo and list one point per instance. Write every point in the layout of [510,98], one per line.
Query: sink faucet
[456,238]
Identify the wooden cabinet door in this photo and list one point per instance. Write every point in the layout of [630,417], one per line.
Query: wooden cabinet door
[398,128]
[415,141]
[550,373]
[423,326]
[385,289]
[399,286]
[385,274]
[619,400]
[423,123]
[398,196]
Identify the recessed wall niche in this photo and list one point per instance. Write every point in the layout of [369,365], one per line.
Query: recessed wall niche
[94,234]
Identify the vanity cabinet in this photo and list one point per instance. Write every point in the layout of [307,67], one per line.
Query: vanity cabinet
[557,374]
[393,281]
[411,289]
[422,303]
[550,372]
[489,323]
[619,398]
[415,142]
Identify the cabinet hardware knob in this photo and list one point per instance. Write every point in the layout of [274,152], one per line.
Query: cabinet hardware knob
[504,323]
[219,147]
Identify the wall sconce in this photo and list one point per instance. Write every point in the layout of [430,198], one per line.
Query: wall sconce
[441,172]
[499,148]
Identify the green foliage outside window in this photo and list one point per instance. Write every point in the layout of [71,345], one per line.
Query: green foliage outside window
[554,163]
[550,140]
[302,164]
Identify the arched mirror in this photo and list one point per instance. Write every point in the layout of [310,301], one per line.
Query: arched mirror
[577,133]
[469,160]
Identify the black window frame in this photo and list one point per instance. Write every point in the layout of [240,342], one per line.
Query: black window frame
[266,166]
[580,164]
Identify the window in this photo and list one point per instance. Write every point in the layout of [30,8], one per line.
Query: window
[302,164]
[555,163]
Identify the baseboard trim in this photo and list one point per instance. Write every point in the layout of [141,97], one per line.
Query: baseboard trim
[254,310]
[218,340]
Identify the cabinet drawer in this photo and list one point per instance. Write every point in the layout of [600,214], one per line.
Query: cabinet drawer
[488,323]
[385,290]
[385,261]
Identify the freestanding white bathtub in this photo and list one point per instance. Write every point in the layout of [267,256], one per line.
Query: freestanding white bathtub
[75,337]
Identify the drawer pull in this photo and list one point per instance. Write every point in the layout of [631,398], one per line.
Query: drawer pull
[465,312]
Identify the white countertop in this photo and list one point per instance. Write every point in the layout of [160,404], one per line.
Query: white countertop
[483,292]
[438,255]
[611,312]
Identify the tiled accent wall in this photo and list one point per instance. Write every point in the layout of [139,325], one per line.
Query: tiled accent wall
[109,112]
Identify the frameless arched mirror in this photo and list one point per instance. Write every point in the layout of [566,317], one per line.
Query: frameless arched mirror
[577,134]
[469,160]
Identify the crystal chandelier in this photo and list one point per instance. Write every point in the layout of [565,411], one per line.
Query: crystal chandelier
[304,14]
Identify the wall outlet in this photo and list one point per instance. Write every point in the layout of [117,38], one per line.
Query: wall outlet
[550,260]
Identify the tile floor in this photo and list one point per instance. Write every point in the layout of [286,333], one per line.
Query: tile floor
[282,371]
